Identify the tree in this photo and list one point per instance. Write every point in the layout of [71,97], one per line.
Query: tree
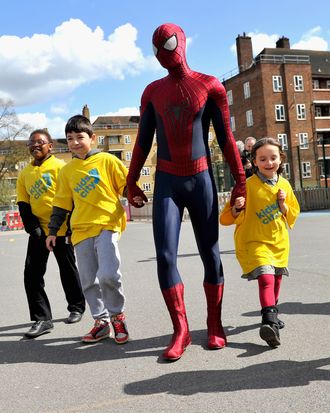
[12,149]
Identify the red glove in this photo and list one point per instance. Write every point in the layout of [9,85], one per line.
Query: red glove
[132,191]
[238,190]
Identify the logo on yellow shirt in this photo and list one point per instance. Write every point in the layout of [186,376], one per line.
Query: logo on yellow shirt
[269,213]
[88,183]
[41,185]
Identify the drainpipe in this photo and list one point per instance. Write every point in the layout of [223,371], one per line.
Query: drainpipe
[324,165]
[299,164]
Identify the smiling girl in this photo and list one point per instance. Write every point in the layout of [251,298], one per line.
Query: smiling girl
[261,234]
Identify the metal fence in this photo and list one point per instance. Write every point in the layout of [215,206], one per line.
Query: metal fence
[145,213]
[313,198]
[309,200]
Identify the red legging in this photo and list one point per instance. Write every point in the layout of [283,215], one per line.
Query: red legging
[269,289]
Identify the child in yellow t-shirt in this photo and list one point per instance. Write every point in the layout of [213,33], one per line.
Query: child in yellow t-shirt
[261,234]
[90,186]
[36,185]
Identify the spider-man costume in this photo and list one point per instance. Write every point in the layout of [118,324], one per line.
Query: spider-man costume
[180,107]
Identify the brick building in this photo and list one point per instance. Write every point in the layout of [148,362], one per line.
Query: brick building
[117,135]
[285,93]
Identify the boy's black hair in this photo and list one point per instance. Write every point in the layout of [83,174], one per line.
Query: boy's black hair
[267,141]
[79,123]
[42,132]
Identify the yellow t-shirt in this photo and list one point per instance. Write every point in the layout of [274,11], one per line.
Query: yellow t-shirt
[261,235]
[91,187]
[36,185]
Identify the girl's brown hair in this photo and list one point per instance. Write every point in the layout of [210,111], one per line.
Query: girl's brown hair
[267,141]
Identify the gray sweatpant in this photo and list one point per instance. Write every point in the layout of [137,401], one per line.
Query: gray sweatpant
[98,263]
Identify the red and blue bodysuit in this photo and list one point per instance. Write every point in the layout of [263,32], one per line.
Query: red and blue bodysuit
[180,108]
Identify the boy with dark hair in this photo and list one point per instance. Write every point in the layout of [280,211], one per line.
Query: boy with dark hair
[36,186]
[93,182]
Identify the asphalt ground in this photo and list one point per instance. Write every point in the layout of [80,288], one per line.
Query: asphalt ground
[58,373]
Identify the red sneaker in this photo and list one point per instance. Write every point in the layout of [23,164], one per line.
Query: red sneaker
[100,331]
[120,328]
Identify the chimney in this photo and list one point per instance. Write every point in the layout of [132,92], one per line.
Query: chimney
[283,43]
[85,112]
[244,52]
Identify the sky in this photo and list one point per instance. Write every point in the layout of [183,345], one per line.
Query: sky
[57,56]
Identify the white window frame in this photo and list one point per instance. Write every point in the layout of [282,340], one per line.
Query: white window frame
[145,171]
[318,111]
[210,137]
[303,140]
[127,139]
[283,140]
[328,84]
[249,118]
[301,111]
[21,165]
[286,168]
[232,123]
[306,169]
[128,155]
[230,97]
[316,83]
[298,82]
[279,113]
[246,88]
[100,140]
[146,186]
[277,83]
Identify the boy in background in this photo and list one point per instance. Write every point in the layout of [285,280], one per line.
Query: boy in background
[92,182]
[36,186]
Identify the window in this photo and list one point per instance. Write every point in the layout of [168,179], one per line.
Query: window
[230,97]
[279,112]
[232,123]
[303,140]
[328,84]
[127,139]
[210,137]
[319,138]
[145,171]
[128,156]
[249,118]
[21,165]
[100,140]
[283,140]
[301,111]
[286,167]
[318,111]
[298,83]
[246,87]
[306,169]
[277,84]
[146,186]
[113,140]
[316,84]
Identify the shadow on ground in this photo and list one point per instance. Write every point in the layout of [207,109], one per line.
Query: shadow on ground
[298,308]
[283,373]
[70,350]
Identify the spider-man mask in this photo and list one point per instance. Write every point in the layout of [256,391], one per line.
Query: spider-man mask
[169,44]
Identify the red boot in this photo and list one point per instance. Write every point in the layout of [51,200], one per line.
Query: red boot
[181,338]
[216,335]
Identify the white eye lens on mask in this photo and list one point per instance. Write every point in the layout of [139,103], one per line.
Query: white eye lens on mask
[171,43]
